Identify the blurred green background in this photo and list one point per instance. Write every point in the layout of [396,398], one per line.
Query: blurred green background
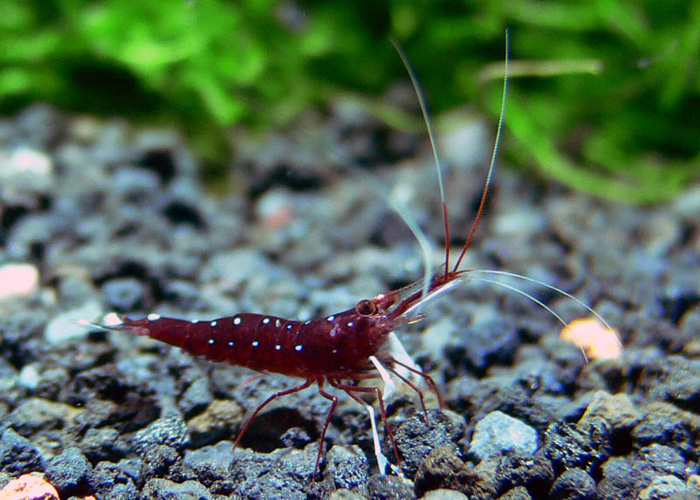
[605,94]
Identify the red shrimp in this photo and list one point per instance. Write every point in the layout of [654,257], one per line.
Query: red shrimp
[341,349]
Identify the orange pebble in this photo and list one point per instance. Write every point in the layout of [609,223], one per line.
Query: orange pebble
[28,487]
[597,340]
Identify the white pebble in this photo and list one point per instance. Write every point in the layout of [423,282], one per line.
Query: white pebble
[18,280]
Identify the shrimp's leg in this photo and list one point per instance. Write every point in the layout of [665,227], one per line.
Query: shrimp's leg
[428,380]
[334,402]
[351,390]
[267,402]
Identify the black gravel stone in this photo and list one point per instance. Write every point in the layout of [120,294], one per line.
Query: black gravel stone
[485,343]
[163,461]
[196,398]
[415,439]
[573,484]
[390,488]
[18,455]
[170,431]
[163,489]
[533,472]
[569,446]
[123,295]
[68,473]
[442,468]
[347,468]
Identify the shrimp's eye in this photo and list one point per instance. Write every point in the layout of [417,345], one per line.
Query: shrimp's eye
[366,308]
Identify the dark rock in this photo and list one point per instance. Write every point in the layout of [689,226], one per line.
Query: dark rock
[484,344]
[347,468]
[68,473]
[533,472]
[415,439]
[163,489]
[665,424]
[585,446]
[163,461]
[170,431]
[517,493]
[667,488]
[573,484]
[280,474]
[196,397]
[124,294]
[103,444]
[644,478]
[390,488]
[18,455]
[663,460]
[442,468]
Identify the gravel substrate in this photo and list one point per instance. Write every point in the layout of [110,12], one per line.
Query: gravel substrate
[98,217]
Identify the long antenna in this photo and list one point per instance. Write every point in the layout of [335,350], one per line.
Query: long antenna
[431,135]
[494,153]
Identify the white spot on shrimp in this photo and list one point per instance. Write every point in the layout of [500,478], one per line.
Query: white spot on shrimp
[256,343]
[335,351]
[330,319]
[266,321]
[213,324]
[278,347]
[237,321]
[298,348]
[211,341]
[230,343]
[350,324]
[153,317]
[195,321]
[307,322]
[290,326]
[278,323]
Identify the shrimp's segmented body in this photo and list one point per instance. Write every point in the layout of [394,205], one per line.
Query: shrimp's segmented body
[336,346]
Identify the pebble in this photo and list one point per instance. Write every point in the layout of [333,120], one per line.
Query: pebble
[196,397]
[170,430]
[64,326]
[68,472]
[415,439]
[533,472]
[18,280]
[573,484]
[583,446]
[498,434]
[164,489]
[617,409]
[441,469]
[28,487]
[215,422]
[18,455]
[348,468]
[664,488]
[444,494]
[124,294]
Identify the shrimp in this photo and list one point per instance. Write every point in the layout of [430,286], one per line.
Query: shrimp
[339,350]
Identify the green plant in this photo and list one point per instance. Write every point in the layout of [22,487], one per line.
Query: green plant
[602,98]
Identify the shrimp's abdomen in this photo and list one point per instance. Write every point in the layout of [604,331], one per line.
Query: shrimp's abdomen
[336,346]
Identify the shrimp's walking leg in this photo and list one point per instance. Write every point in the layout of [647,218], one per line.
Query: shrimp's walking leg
[334,402]
[267,402]
[428,380]
[351,390]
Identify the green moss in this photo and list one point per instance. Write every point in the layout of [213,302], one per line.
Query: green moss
[603,95]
